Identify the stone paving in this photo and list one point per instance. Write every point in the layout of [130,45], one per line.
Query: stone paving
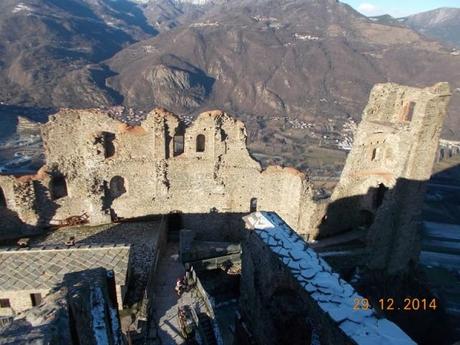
[166,302]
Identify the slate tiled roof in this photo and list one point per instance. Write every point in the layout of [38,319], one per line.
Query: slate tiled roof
[43,268]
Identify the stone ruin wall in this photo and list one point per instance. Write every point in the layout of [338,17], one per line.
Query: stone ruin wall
[382,186]
[113,170]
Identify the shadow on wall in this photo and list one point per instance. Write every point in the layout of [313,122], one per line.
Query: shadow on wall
[227,227]
[91,299]
[387,215]
[289,316]
[387,223]
[47,207]
[389,220]
[13,227]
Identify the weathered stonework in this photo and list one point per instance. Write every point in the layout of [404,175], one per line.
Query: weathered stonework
[99,169]
[383,182]
[289,295]
[113,170]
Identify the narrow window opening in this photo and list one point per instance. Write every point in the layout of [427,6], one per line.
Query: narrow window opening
[106,139]
[5,303]
[200,143]
[2,198]
[58,187]
[117,187]
[36,299]
[375,153]
[178,142]
[253,205]
[109,147]
[380,195]
[408,112]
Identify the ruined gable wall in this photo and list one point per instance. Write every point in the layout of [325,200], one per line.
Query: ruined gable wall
[394,237]
[396,139]
[111,169]
[383,182]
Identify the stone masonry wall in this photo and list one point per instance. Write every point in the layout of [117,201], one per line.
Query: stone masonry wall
[112,170]
[99,167]
[289,295]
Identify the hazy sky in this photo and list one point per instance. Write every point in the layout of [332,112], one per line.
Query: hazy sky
[398,8]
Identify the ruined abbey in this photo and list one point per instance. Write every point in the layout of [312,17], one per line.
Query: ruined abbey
[102,171]
[105,170]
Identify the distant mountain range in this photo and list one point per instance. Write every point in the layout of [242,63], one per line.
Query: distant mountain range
[49,49]
[306,59]
[442,24]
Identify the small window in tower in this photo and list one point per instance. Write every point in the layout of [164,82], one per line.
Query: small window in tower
[36,299]
[5,303]
[117,187]
[253,205]
[200,143]
[2,198]
[58,187]
[408,112]
[375,153]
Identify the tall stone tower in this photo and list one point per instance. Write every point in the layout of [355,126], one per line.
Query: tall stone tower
[383,183]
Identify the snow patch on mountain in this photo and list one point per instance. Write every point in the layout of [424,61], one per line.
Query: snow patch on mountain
[21,8]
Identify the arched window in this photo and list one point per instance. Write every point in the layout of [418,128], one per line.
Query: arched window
[200,143]
[117,187]
[253,205]
[58,187]
[2,198]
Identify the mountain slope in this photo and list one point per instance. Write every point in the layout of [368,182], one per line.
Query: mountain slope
[442,24]
[49,48]
[306,59]
[168,14]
